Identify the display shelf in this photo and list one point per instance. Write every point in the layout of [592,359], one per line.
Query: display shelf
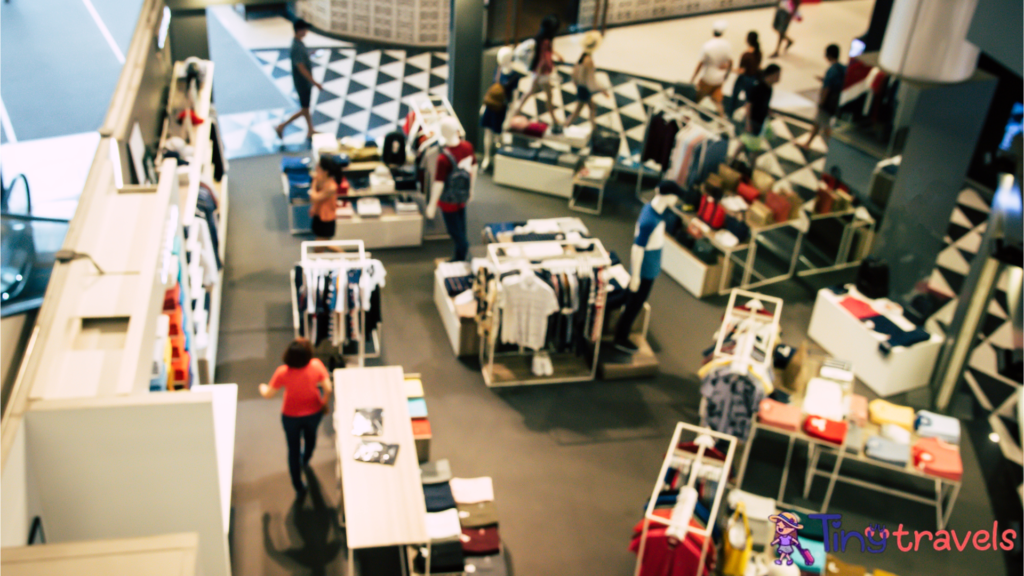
[169,555]
[534,176]
[225,416]
[461,332]
[207,361]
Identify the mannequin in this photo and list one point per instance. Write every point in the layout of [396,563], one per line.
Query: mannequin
[645,260]
[454,215]
[492,118]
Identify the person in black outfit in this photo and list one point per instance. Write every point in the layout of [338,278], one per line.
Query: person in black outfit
[759,99]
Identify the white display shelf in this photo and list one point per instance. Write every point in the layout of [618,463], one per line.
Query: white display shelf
[170,555]
[207,365]
[534,176]
[461,332]
[225,416]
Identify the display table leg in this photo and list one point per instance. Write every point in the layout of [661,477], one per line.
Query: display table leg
[812,467]
[351,562]
[832,479]
[746,455]
[785,469]
[949,506]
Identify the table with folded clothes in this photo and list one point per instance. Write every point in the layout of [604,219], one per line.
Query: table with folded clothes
[462,521]
[832,420]
[565,228]
[890,353]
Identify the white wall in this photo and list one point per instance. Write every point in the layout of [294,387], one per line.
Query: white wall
[130,466]
[19,501]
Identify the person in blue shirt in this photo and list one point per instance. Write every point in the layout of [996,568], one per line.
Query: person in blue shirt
[645,260]
[828,100]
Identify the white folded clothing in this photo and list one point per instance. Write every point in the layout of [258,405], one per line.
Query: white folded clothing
[896,433]
[403,207]
[454,269]
[472,490]
[443,525]
[368,207]
[382,183]
[734,203]
[595,162]
[726,238]
[345,209]
[824,398]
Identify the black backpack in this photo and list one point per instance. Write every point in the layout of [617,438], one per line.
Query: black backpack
[873,277]
[457,184]
[394,149]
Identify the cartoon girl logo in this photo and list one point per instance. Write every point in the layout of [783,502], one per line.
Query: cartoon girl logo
[786,542]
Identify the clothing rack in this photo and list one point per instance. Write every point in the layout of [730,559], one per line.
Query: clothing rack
[513,368]
[749,321]
[692,113]
[337,254]
[695,462]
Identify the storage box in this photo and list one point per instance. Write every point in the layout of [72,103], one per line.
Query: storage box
[759,215]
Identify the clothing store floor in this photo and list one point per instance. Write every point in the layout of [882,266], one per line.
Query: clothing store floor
[572,464]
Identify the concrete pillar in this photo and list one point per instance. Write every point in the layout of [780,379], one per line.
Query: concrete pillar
[188,34]
[465,60]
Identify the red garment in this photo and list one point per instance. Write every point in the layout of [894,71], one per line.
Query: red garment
[859,308]
[773,413]
[938,458]
[301,394]
[481,541]
[460,151]
[828,430]
[545,58]
[661,559]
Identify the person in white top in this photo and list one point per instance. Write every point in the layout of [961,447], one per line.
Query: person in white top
[714,67]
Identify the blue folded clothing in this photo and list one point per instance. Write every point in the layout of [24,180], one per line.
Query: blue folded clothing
[291,164]
[299,178]
[438,496]
[518,152]
[298,192]
[548,156]
[886,450]
[417,408]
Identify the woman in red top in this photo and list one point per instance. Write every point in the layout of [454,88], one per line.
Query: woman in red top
[307,386]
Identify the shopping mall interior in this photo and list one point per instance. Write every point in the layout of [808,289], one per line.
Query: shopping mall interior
[576,287]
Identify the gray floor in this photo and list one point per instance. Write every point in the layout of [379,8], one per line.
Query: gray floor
[572,464]
[240,85]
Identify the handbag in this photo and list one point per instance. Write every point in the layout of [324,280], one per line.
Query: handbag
[604,142]
[779,205]
[729,176]
[711,212]
[748,192]
[494,99]
[762,180]
[759,215]
[704,251]
[739,545]
[873,277]
[738,228]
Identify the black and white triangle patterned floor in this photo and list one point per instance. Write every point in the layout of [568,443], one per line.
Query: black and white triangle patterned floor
[991,385]
[366,93]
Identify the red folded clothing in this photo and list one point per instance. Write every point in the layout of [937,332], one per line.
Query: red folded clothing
[829,430]
[779,415]
[938,458]
[859,308]
[536,129]
[481,541]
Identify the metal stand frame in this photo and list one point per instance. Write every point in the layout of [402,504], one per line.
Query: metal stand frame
[696,462]
[497,254]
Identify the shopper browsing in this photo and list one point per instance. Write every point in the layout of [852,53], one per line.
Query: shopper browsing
[323,195]
[302,76]
[747,73]
[584,75]
[542,66]
[828,99]
[307,388]
[714,67]
[759,99]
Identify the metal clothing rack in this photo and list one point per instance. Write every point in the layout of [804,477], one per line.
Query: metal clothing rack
[567,366]
[337,252]
[707,119]
[695,464]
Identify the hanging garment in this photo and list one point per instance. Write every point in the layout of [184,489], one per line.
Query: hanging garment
[526,303]
[661,136]
[732,401]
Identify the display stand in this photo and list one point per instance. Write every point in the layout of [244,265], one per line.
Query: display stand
[689,111]
[383,506]
[461,331]
[643,363]
[340,255]
[513,368]
[171,555]
[698,465]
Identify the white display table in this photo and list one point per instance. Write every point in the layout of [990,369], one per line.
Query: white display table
[171,555]
[844,336]
[533,175]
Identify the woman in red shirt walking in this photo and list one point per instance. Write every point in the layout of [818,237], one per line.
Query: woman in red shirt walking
[307,386]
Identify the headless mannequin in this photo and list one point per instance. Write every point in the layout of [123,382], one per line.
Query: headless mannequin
[504,70]
[645,260]
[454,217]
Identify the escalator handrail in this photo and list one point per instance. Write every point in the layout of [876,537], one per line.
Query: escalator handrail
[5,197]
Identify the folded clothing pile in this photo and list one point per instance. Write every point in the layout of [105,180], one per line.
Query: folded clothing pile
[296,170]
[417,407]
[462,522]
[896,330]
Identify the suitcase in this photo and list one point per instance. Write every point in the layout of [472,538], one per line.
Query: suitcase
[833,431]
[779,415]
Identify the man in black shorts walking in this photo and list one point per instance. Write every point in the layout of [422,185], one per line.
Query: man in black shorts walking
[302,75]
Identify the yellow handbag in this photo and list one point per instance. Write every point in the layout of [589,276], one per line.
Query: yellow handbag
[735,557]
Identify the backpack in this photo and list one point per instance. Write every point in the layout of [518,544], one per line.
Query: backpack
[458,183]
[394,148]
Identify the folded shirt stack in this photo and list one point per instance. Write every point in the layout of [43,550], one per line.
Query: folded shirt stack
[882,412]
[368,207]
[418,410]
[938,458]
[458,285]
[442,520]
[474,498]
[931,425]
[885,450]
